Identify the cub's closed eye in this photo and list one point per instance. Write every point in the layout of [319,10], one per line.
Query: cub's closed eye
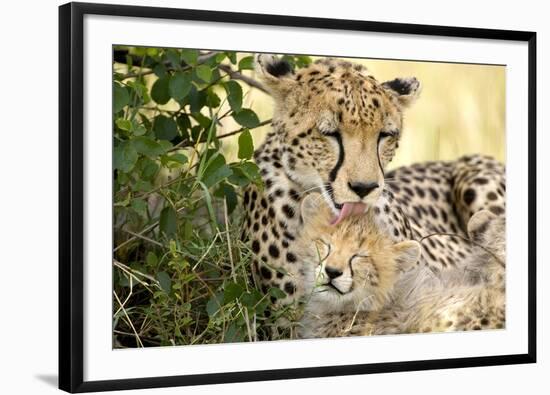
[359,256]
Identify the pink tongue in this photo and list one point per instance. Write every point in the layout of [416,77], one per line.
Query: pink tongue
[347,210]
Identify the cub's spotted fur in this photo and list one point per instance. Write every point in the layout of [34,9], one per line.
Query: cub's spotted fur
[469,298]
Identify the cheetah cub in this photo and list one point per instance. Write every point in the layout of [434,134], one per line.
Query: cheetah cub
[356,265]
[370,288]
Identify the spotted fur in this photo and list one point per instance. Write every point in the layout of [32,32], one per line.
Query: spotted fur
[335,128]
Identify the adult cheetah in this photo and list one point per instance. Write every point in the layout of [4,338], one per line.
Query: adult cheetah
[335,128]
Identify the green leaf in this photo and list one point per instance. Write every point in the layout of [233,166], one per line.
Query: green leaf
[123,281]
[180,85]
[140,91]
[139,130]
[151,259]
[140,207]
[166,145]
[165,128]
[174,57]
[150,170]
[187,230]
[125,202]
[227,192]
[146,146]
[177,157]
[277,293]
[246,146]
[160,91]
[196,99]
[302,61]
[143,185]
[231,292]
[216,171]
[165,281]
[121,97]
[202,120]
[125,157]
[204,72]
[214,304]
[238,178]
[251,171]
[233,334]
[190,56]
[124,124]
[212,100]
[246,63]
[232,57]
[246,118]
[234,95]
[168,222]
[159,70]
[183,123]
[250,299]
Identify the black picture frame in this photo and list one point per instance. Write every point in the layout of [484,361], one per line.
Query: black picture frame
[71,204]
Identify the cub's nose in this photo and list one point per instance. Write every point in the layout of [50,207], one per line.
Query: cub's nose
[362,189]
[332,272]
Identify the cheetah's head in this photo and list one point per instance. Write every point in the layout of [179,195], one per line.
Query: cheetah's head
[357,262]
[337,126]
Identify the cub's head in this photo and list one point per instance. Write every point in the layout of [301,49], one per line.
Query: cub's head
[337,125]
[357,263]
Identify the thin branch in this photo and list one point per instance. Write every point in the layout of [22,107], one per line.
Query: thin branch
[144,238]
[266,122]
[235,75]
[186,144]
[166,184]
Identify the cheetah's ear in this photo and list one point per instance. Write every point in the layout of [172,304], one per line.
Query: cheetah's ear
[314,210]
[479,225]
[406,90]
[407,253]
[276,73]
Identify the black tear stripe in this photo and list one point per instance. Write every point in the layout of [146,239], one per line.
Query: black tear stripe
[334,172]
[330,192]
[380,137]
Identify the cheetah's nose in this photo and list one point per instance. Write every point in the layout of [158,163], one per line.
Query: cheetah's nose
[332,272]
[362,189]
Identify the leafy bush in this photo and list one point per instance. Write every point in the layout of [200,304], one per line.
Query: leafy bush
[181,274]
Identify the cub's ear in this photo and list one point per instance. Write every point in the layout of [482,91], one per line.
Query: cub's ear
[314,210]
[479,225]
[407,253]
[406,90]
[276,73]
